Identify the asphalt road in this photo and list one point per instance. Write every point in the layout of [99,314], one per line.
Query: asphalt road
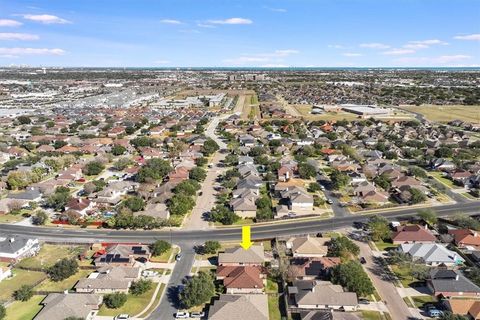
[267,231]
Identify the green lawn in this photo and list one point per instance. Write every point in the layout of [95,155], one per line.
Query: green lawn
[20,278]
[10,218]
[421,300]
[165,256]
[49,285]
[382,245]
[273,307]
[19,310]
[272,286]
[404,275]
[372,315]
[49,254]
[447,182]
[133,306]
[408,302]
[155,303]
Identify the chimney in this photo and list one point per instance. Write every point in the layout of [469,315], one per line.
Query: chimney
[475,233]
[426,226]
[457,276]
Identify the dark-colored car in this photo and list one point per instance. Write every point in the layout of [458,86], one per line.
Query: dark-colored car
[363,260]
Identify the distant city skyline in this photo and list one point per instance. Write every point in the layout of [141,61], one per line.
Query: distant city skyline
[240,33]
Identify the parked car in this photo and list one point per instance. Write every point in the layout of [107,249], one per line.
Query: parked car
[363,260]
[182,315]
[329,201]
[122,316]
[178,257]
[363,301]
[197,314]
[434,312]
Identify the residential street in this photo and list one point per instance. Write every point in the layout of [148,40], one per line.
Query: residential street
[384,284]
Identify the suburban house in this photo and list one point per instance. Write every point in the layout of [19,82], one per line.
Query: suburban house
[308,246]
[432,254]
[238,256]
[80,205]
[239,307]
[311,268]
[122,255]
[464,307]
[14,248]
[451,283]
[244,207]
[413,234]
[241,279]
[109,279]
[327,315]
[465,238]
[297,198]
[59,306]
[316,294]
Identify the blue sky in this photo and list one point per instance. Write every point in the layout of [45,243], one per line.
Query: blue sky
[240,33]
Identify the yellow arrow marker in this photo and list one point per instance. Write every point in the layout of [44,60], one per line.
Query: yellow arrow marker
[246,242]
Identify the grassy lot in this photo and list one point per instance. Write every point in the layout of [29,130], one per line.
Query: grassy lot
[447,113]
[272,286]
[10,218]
[273,307]
[24,310]
[382,246]
[49,254]
[372,315]
[267,245]
[404,275]
[421,300]
[133,306]
[447,182]
[20,278]
[305,110]
[155,302]
[164,257]
[49,285]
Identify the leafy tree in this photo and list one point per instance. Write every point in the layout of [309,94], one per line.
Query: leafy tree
[24,293]
[122,164]
[63,269]
[24,120]
[417,172]
[3,312]
[417,196]
[198,290]
[467,222]
[143,142]
[224,215]
[474,275]
[444,152]
[379,228]
[40,218]
[211,247]
[180,204]
[93,168]
[59,199]
[18,180]
[187,187]
[198,174]
[383,181]
[209,147]
[134,203]
[141,286]
[118,150]
[314,187]
[130,130]
[343,247]
[231,160]
[156,169]
[429,216]
[159,247]
[306,171]
[352,276]
[201,161]
[339,179]
[58,144]
[115,300]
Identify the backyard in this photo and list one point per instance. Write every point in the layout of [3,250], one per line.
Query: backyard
[49,254]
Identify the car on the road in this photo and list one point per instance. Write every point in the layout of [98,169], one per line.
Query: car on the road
[363,260]
[210,165]
[329,201]
[122,316]
[182,315]
[178,257]
[363,301]
[322,187]
[197,314]
[291,214]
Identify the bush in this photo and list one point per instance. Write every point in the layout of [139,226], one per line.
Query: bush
[160,247]
[40,218]
[223,215]
[140,287]
[115,300]
[342,247]
[134,203]
[63,269]
[24,293]
[198,174]
[93,168]
[211,247]
[352,276]
[306,171]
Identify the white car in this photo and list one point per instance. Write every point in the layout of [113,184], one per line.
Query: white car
[122,317]
[182,315]
[197,314]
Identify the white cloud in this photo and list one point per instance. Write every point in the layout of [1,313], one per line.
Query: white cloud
[351,54]
[18,36]
[282,10]
[470,37]
[31,51]
[374,45]
[397,52]
[440,60]
[171,21]
[45,18]
[8,56]
[9,23]
[415,46]
[276,57]
[231,21]
[429,42]
[204,25]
